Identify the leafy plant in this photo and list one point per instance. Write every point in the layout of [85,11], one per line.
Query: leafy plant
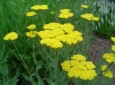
[105,28]
[35,41]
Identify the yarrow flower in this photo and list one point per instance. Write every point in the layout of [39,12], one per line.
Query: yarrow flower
[65,13]
[31,34]
[11,36]
[113,48]
[31,27]
[39,7]
[106,73]
[78,67]
[113,39]
[84,6]
[57,34]
[103,67]
[89,17]
[109,57]
[29,14]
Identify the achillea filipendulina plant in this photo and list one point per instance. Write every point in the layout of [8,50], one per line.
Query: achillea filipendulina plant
[39,52]
[78,67]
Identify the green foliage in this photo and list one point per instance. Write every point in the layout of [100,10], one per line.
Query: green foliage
[105,28]
[25,61]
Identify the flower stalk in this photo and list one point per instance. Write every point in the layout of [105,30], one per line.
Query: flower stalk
[22,60]
[56,66]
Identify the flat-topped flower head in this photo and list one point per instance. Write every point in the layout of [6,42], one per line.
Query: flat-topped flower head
[62,33]
[65,13]
[40,7]
[84,6]
[90,17]
[108,74]
[113,39]
[31,34]
[31,27]
[32,13]
[109,57]
[87,16]
[11,36]
[78,67]
[113,48]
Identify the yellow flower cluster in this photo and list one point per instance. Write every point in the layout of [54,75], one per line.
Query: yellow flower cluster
[65,13]
[90,17]
[31,27]
[84,6]
[36,7]
[113,48]
[31,34]
[39,7]
[113,39]
[78,67]
[32,13]
[106,73]
[109,57]
[55,34]
[11,36]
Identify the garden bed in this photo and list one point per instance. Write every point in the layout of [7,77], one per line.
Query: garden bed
[98,46]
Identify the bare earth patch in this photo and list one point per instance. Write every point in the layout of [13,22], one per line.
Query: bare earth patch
[97,47]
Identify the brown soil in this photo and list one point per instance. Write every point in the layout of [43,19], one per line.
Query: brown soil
[97,47]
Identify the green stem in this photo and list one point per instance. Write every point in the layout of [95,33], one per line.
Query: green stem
[35,61]
[56,67]
[23,62]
